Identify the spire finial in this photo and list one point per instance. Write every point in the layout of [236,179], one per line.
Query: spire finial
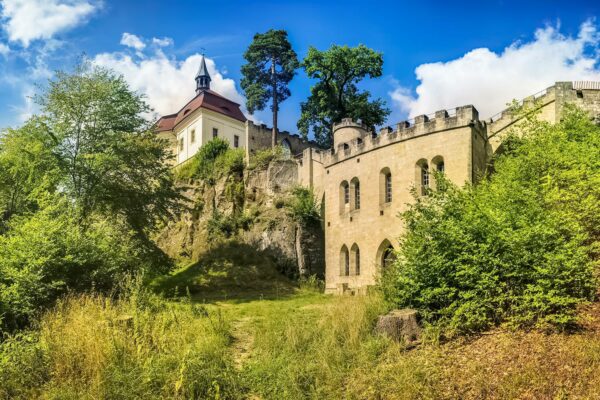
[202,77]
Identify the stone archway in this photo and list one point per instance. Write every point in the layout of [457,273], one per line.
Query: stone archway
[385,254]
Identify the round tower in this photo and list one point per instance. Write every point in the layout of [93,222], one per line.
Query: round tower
[347,131]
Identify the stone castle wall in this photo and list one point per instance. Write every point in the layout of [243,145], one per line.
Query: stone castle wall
[359,231]
[258,137]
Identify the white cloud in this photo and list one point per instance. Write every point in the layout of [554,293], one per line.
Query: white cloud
[28,20]
[4,49]
[133,41]
[162,42]
[489,80]
[167,83]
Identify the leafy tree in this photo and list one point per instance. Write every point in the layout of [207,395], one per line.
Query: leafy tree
[518,248]
[304,206]
[110,161]
[338,70]
[27,169]
[81,188]
[271,66]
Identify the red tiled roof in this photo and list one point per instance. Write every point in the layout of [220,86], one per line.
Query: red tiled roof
[206,99]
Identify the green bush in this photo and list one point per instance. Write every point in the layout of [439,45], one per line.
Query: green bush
[214,160]
[44,255]
[203,163]
[304,206]
[516,249]
[262,158]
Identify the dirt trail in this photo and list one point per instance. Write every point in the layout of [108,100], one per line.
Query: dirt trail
[242,341]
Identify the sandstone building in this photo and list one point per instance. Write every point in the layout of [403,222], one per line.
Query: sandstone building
[366,179]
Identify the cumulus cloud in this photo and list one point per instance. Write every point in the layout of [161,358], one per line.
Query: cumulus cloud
[167,83]
[4,49]
[28,20]
[133,41]
[489,80]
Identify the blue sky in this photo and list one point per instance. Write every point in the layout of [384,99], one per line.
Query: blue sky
[436,54]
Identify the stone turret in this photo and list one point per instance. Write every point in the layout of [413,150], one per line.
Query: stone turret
[348,131]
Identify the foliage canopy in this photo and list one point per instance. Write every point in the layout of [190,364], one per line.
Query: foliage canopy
[519,248]
[271,65]
[336,95]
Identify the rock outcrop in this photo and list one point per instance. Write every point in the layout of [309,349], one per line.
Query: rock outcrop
[259,216]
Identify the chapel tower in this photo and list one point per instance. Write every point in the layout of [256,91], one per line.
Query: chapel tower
[202,77]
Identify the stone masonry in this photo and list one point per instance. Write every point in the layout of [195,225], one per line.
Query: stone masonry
[366,179]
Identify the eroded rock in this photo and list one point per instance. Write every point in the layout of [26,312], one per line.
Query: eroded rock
[400,325]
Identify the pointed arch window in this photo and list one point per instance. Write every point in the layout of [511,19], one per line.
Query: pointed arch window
[385,186]
[355,188]
[355,259]
[422,176]
[344,197]
[388,187]
[425,176]
[344,261]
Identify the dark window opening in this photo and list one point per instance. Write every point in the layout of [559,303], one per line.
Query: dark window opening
[388,188]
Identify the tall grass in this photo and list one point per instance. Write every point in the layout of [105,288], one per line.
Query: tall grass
[298,357]
[95,347]
[306,346]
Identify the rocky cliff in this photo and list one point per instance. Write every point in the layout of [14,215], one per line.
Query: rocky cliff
[251,208]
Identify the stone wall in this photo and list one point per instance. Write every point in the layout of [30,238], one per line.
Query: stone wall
[258,137]
[365,227]
[357,237]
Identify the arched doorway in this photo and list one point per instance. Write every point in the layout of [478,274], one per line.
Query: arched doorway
[388,257]
[385,254]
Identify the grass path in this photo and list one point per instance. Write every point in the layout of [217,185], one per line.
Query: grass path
[243,338]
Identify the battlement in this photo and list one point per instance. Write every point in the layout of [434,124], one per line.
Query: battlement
[258,136]
[348,122]
[364,141]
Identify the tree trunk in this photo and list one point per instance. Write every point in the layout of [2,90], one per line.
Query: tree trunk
[275,105]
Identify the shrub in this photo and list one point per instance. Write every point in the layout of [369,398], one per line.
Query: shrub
[262,158]
[203,163]
[304,206]
[517,248]
[46,254]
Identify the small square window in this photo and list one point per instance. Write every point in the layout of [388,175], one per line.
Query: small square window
[236,141]
[215,132]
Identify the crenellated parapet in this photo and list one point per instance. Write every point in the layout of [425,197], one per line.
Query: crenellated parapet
[258,137]
[353,138]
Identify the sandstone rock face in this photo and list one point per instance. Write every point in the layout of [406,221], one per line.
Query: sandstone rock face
[400,325]
[297,249]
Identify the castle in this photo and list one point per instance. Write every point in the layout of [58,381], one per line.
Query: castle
[365,180]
